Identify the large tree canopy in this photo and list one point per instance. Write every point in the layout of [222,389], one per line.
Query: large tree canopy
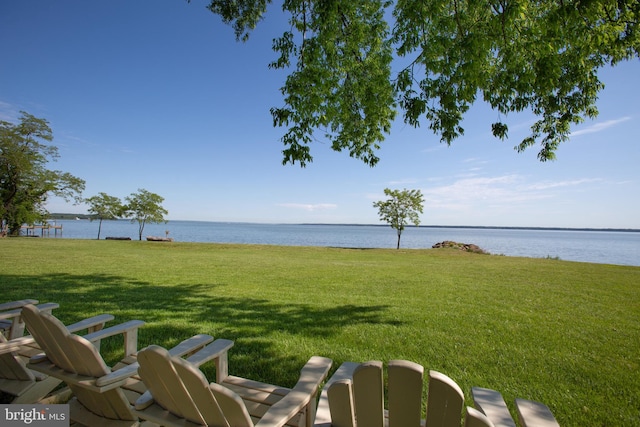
[517,55]
[25,182]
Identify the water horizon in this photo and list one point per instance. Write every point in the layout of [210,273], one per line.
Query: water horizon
[65,216]
[603,246]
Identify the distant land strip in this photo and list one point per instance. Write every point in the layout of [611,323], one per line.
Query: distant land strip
[488,227]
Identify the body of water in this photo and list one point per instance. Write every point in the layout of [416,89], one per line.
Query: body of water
[605,247]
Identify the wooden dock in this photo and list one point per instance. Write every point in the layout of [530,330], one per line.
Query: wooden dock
[45,230]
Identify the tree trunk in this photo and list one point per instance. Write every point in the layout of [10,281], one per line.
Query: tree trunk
[399,233]
[140,228]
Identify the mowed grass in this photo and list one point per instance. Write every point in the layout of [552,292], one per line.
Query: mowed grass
[563,333]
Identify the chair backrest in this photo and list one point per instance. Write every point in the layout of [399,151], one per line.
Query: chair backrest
[68,351]
[182,389]
[359,401]
[77,356]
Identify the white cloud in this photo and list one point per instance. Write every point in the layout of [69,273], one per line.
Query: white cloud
[309,207]
[8,112]
[570,183]
[499,191]
[599,127]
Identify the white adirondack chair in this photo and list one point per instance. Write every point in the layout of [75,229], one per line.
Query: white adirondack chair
[25,385]
[179,394]
[102,396]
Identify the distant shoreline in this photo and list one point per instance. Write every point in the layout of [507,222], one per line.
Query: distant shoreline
[491,227]
[65,216]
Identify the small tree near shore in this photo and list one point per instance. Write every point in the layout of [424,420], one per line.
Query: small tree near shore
[145,207]
[104,206]
[401,207]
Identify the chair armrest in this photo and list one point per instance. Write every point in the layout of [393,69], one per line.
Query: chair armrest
[311,376]
[114,330]
[210,352]
[8,347]
[11,314]
[185,347]
[218,351]
[533,413]
[119,375]
[16,304]
[42,364]
[128,329]
[191,345]
[144,401]
[92,324]
[38,358]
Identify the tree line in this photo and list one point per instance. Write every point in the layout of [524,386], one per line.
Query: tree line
[26,183]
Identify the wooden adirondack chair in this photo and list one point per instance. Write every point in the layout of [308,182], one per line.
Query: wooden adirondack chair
[103,396]
[179,394]
[356,398]
[25,385]
[530,413]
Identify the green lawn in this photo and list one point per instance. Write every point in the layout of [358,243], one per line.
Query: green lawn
[563,333]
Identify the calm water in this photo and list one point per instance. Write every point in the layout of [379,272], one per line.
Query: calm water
[607,247]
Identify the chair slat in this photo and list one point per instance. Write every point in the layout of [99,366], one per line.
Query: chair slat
[340,396]
[232,406]
[405,393]
[160,375]
[368,394]
[323,413]
[475,418]
[445,401]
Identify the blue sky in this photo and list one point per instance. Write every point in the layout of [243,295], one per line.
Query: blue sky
[159,95]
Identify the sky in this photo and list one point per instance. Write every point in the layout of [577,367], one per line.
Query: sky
[159,95]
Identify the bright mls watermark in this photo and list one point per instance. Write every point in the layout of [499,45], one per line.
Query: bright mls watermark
[34,415]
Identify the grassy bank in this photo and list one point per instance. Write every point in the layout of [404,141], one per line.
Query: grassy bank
[564,333]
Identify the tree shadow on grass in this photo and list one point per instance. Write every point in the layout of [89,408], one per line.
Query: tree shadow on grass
[176,312]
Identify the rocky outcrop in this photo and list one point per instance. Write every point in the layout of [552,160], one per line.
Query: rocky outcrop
[467,247]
